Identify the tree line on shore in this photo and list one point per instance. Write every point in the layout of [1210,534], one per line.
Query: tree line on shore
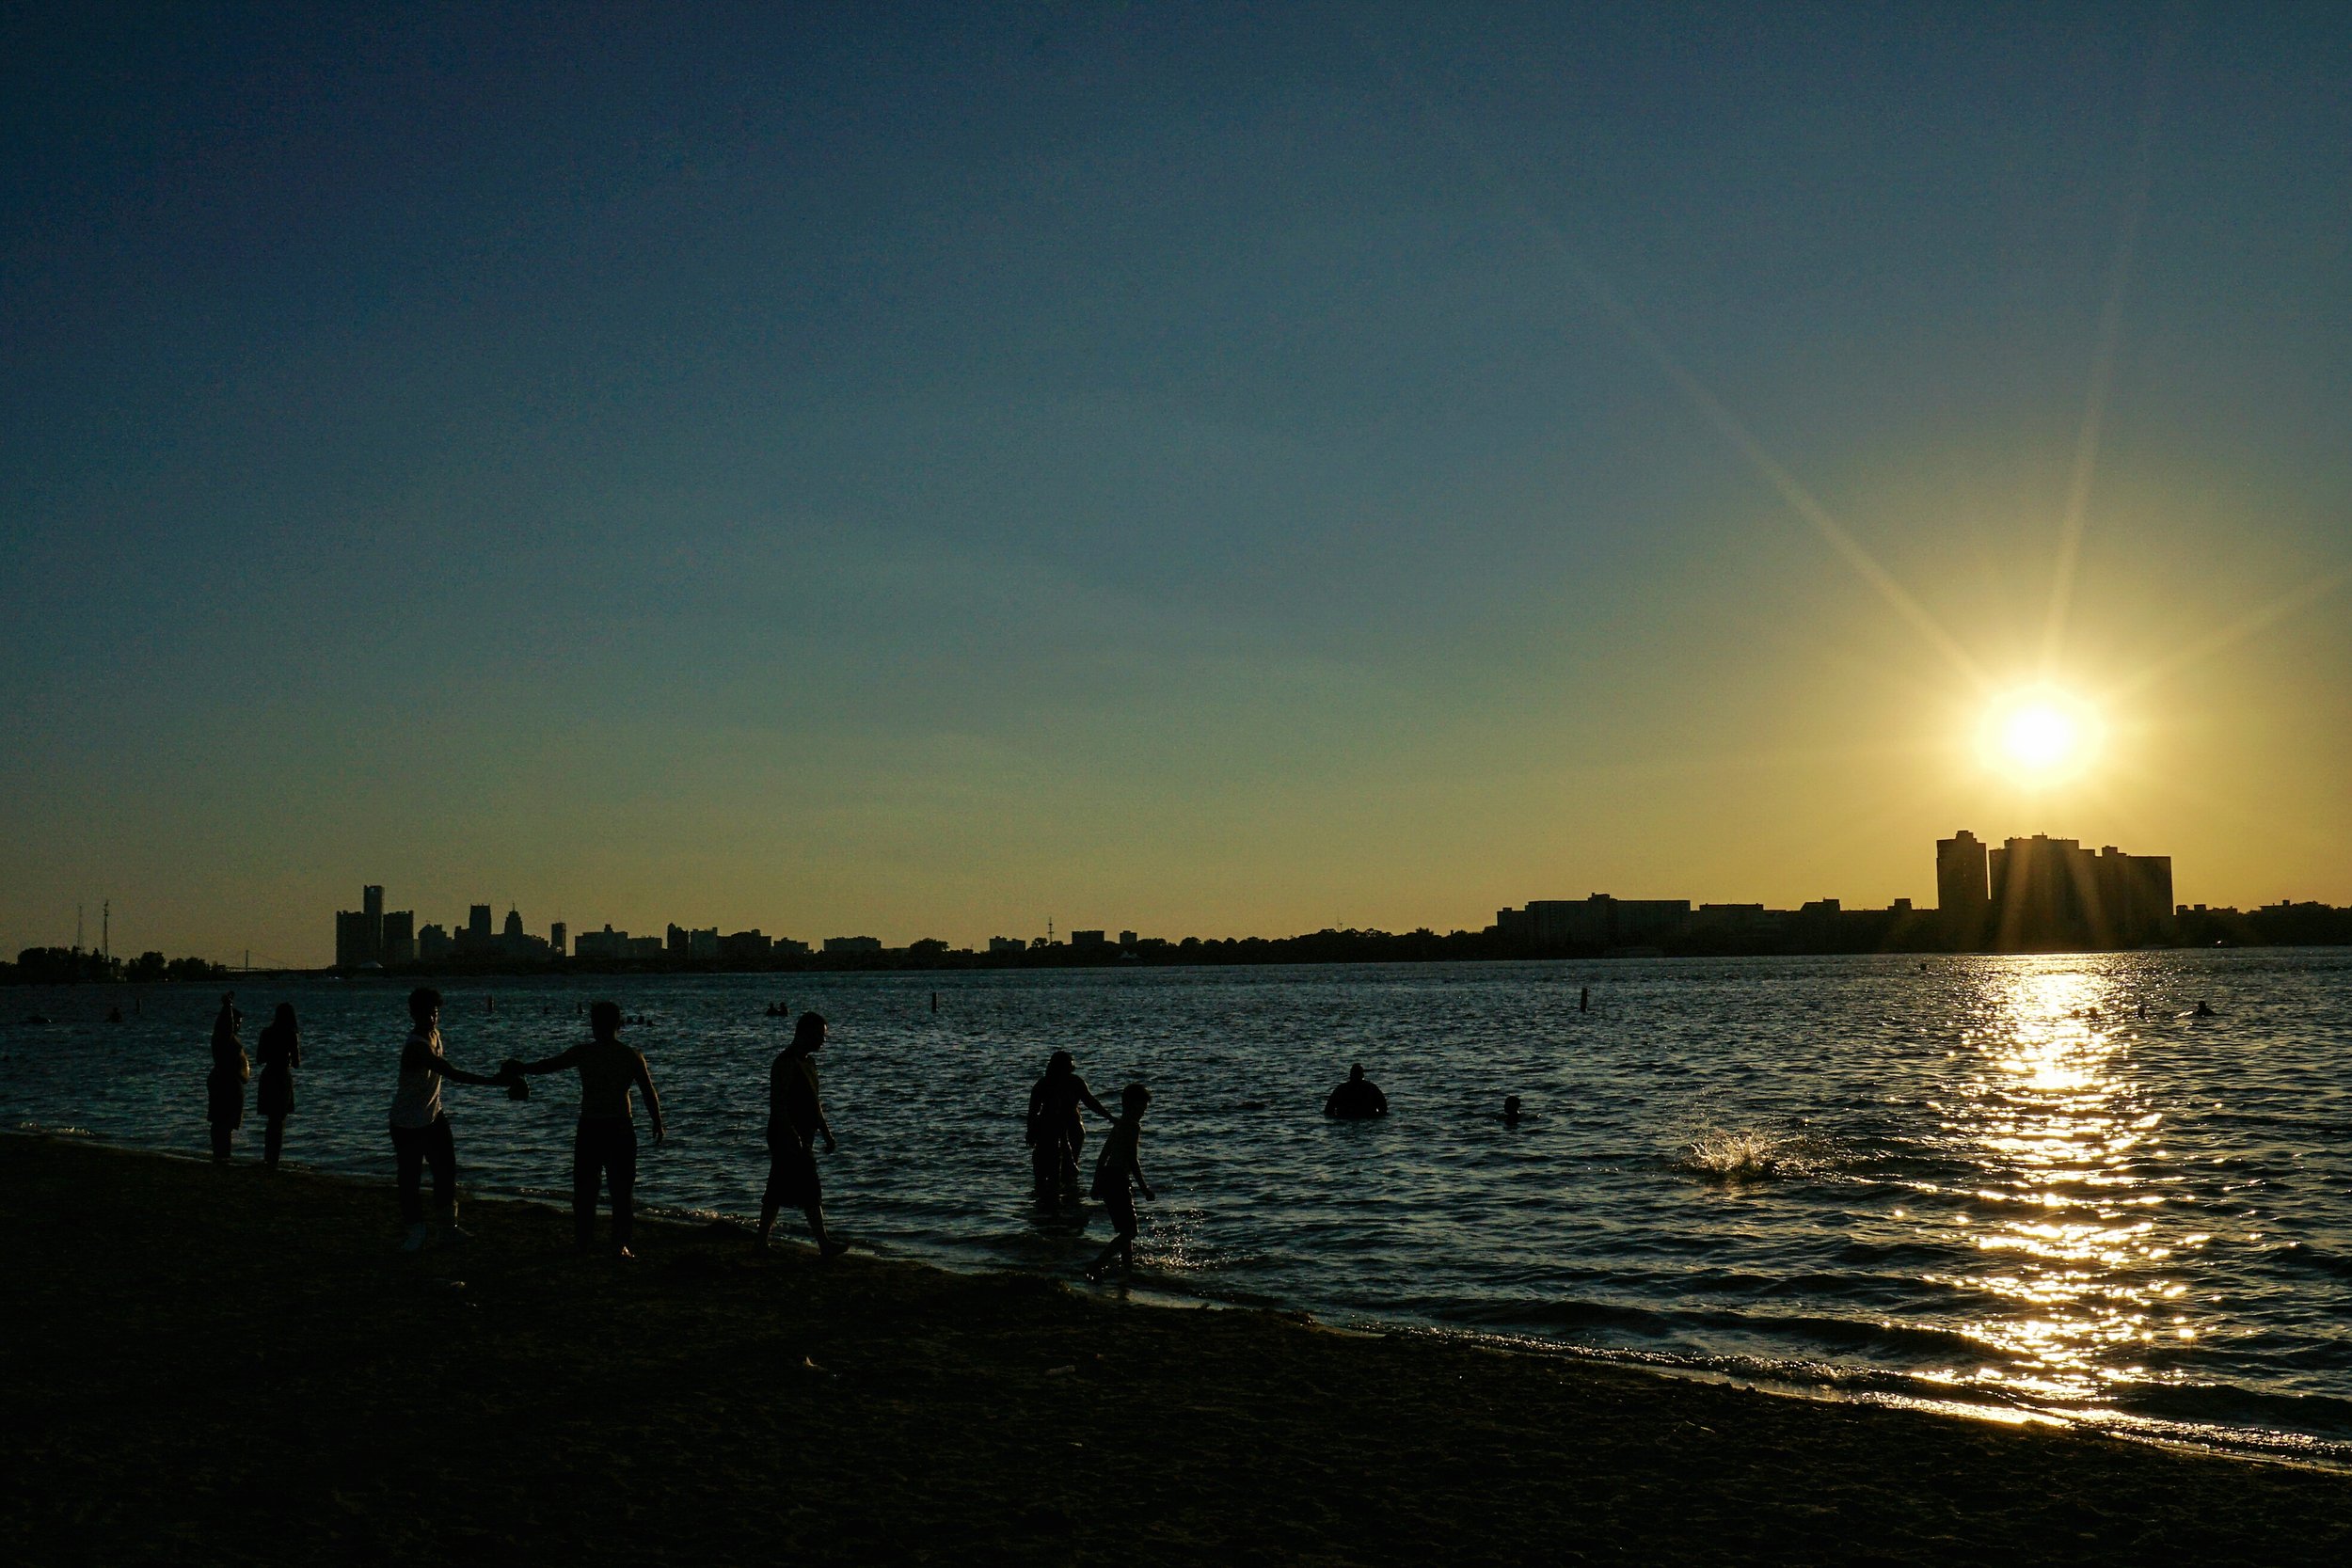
[72,966]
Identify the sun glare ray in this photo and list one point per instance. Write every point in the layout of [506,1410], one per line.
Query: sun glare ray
[1729,425]
[2236,631]
[2073,520]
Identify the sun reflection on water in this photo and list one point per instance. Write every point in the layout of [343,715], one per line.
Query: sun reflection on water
[2067,1218]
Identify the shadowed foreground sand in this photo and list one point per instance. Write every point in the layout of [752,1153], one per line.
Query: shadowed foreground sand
[210,1366]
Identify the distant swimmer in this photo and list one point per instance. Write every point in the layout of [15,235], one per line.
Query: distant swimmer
[114,1015]
[1357,1100]
[1512,1115]
[1056,1130]
[2202,1009]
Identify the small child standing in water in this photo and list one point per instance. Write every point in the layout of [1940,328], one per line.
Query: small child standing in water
[1113,1169]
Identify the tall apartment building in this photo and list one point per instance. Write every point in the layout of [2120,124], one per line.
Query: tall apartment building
[1963,890]
[400,936]
[2052,894]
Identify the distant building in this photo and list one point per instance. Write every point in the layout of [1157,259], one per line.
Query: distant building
[400,937]
[1596,921]
[351,938]
[478,926]
[1126,938]
[787,945]
[2052,895]
[359,933]
[703,944]
[1963,890]
[674,939]
[556,935]
[644,947]
[601,945]
[1007,945]
[745,947]
[1088,939]
[433,945]
[853,944]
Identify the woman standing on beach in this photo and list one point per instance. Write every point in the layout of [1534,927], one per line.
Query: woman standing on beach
[280,1050]
[224,1087]
[605,1145]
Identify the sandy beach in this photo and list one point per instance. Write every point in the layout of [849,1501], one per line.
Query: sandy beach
[213,1365]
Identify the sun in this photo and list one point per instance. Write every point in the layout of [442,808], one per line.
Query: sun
[2041,736]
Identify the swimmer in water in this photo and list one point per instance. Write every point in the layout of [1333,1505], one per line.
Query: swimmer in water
[2202,1009]
[1512,1115]
[1357,1100]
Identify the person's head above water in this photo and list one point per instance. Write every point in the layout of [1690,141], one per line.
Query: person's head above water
[1059,1063]
[1510,1104]
[424,1005]
[604,1020]
[808,1032]
[1133,1099]
[1356,1073]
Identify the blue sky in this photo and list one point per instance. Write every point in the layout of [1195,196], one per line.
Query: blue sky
[1148,466]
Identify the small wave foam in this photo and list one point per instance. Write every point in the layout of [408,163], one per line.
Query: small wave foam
[1755,1154]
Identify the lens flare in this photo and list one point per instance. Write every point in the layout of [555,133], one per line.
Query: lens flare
[2041,736]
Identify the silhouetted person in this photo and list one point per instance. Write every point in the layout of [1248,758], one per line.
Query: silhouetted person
[604,1148]
[224,1086]
[1357,1100]
[795,1119]
[1056,1131]
[279,1052]
[2202,1009]
[1512,1115]
[420,1134]
[1118,1163]
[114,1015]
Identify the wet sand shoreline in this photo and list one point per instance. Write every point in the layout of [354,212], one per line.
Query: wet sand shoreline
[213,1365]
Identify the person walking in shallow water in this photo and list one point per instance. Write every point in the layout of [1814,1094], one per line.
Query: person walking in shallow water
[1058,1133]
[1116,1165]
[280,1050]
[604,1148]
[421,1132]
[224,1086]
[795,1119]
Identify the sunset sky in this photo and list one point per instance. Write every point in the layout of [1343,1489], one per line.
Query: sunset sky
[1205,469]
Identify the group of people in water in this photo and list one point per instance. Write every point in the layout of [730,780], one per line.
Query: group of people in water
[612,1075]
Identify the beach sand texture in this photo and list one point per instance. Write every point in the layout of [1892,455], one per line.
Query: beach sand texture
[211,1365]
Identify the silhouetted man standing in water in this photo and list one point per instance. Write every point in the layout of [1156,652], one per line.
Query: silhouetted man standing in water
[795,1119]
[605,1145]
[1357,1100]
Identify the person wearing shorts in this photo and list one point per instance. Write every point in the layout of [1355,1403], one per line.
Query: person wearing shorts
[1114,1168]
[796,1119]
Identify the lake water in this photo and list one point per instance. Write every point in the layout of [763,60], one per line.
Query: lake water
[2017,1185]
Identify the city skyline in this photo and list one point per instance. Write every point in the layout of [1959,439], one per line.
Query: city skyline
[1231,469]
[2028,892]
